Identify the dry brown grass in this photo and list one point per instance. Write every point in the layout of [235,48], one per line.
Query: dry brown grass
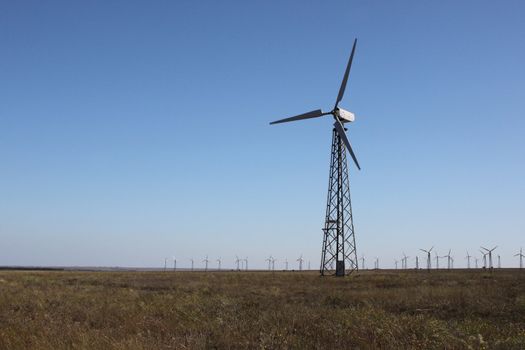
[230,310]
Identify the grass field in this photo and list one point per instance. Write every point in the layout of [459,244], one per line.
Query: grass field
[248,310]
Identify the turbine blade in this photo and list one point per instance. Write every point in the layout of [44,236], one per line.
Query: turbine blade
[485,248]
[341,131]
[311,114]
[345,77]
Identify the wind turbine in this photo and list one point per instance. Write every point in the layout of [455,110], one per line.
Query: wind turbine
[363,262]
[377,263]
[449,259]
[205,260]
[237,260]
[191,264]
[499,262]
[300,262]
[165,264]
[338,238]
[246,261]
[269,259]
[484,258]
[404,261]
[476,262]
[490,255]
[174,264]
[286,264]
[273,263]
[437,260]
[520,254]
[429,260]
[219,262]
[468,259]
[395,261]
[417,262]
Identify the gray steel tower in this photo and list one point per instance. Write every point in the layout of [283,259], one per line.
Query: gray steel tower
[339,248]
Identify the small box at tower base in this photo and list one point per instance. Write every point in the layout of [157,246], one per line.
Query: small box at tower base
[340,268]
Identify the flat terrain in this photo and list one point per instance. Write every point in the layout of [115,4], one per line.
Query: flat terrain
[247,310]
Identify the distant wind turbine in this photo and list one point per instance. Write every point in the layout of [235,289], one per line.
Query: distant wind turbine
[269,259]
[205,260]
[490,255]
[404,261]
[237,260]
[520,254]
[449,259]
[300,262]
[468,259]
[429,260]
[484,258]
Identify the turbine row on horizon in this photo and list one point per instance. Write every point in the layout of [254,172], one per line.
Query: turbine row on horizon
[486,257]
[432,262]
[241,264]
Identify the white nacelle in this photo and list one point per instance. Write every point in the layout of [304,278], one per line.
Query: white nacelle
[345,115]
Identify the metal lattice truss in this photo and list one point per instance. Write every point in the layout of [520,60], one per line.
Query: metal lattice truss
[339,255]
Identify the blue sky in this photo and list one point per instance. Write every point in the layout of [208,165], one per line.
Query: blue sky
[134,130]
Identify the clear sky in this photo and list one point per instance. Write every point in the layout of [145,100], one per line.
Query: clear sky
[131,131]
